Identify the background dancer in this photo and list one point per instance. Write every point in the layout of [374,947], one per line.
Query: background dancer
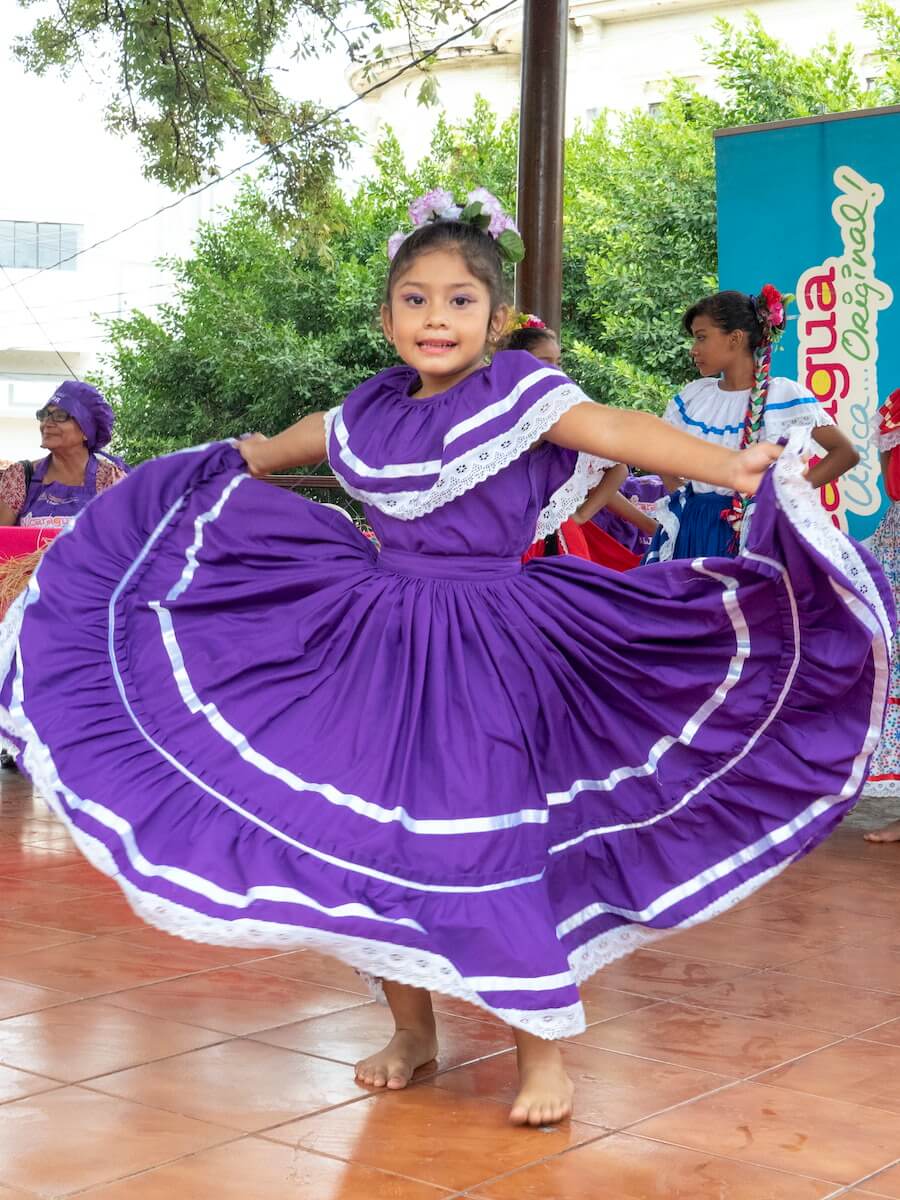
[736,403]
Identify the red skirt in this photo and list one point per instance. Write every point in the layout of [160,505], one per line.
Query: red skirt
[590,542]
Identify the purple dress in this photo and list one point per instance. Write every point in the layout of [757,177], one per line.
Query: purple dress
[424,760]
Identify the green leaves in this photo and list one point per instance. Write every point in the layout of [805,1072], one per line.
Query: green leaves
[474,214]
[185,76]
[278,316]
[765,81]
[511,246]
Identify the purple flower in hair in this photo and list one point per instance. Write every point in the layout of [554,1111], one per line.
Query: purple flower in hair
[395,241]
[436,205]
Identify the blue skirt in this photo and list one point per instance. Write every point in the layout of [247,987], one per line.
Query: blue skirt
[700,531]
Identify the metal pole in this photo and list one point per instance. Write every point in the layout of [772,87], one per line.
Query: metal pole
[541,151]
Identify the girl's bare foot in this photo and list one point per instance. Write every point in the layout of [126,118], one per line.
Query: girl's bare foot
[545,1090]
[890,833]
[393,1067]
[414,1042]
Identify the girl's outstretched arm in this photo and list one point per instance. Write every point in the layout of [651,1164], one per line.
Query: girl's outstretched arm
[639,438]
[629,511]
[301,445]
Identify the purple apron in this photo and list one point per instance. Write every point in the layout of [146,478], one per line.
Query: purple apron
[55,505]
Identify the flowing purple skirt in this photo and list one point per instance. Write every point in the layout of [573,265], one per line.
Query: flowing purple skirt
[459,773]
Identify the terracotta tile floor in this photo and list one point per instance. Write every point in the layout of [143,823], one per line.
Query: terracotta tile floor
[755,1058]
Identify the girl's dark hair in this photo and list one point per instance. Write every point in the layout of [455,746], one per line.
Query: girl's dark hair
[478,251]
[729,311]
[525,339]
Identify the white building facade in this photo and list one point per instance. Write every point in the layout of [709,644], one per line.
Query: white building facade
[66,184]
[621,53]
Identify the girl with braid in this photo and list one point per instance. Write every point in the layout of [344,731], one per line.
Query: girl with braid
[736,403]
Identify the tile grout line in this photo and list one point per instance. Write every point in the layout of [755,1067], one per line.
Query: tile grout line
[861,1182]
[743,1162]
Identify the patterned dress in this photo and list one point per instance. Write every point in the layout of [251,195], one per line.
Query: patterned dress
[424,759]
[884,770]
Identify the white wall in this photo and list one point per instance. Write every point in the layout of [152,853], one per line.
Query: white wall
[620,53]
[59,164]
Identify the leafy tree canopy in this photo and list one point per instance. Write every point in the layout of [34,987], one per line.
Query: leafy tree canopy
[183,75]
[267,328]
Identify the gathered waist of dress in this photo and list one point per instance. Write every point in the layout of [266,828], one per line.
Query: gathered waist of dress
[474,568]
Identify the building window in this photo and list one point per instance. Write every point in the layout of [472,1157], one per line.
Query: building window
[38,244]
[655,107]
[22,395]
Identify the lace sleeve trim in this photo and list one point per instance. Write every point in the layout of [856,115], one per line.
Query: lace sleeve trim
[566,500]
[461,474]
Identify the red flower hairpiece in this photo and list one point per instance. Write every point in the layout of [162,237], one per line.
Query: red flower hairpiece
[771,306]
[523,320]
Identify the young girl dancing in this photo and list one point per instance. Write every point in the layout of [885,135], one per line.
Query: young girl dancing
[420,759]
[736,403]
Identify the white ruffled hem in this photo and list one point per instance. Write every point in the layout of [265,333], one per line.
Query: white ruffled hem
[811,523]
[879,788]
[375,961]
[669,525]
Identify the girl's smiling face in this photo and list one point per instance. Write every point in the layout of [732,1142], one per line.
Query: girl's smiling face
[440,318]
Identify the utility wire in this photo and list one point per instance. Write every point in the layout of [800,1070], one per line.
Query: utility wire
[91,316]
[324,119]
[63,304]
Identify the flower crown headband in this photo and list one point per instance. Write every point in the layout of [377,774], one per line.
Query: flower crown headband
[481,209]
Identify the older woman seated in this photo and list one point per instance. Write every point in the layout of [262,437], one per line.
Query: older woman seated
[47,495]
[76,422]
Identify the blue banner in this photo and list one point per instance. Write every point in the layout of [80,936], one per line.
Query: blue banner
[813,206]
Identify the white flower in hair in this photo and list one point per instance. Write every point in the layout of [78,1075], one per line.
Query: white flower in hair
[492,208]
[482,210]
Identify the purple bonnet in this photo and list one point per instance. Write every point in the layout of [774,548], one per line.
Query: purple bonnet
[89,409]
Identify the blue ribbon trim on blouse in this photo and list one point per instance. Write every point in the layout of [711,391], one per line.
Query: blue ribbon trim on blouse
[720,429]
